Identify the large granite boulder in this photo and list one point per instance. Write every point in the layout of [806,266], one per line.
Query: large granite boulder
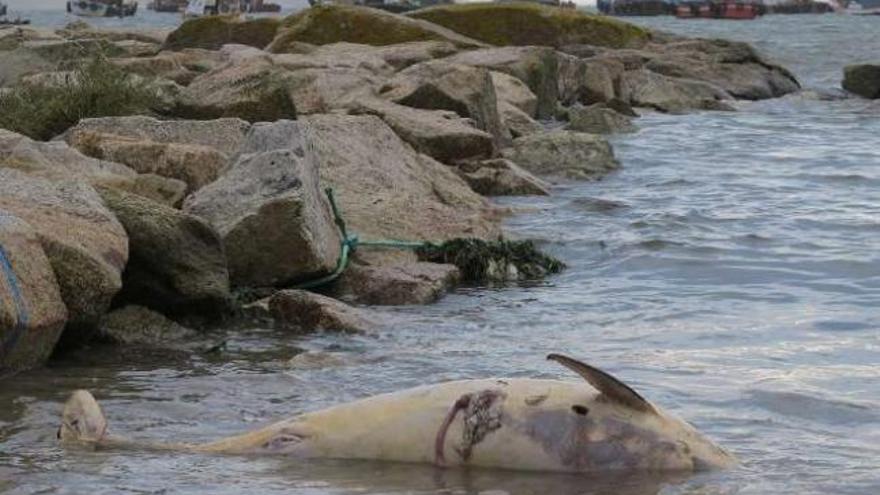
[254,90]
[439,85]
[588,81]
[195,152]
[568,154]
[86,245]
[442,135]
[326,24]
[532,24]
[212,32]
[271,211]
[395,285]
[513,91]
[644,88]
[386,190]
[304,311]
[515,122]
[598,119]
[324,90]
[57,161]
[32,313]
[538,67]
[863,80]
[176,262]
[500,177]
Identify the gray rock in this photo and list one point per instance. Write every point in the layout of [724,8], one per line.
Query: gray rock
[516,122]
[502,177]
[410,283]
[514,92]
[386,190]
[304,311]
[271,211]
[140,326]
[398,56]
[176,262]
[863,80]
[32,314]
[56,161]
[598,119]
[223,135]
[588,81]
[569,154]
[254,90]
[440,85]
[439,134]
[538,67]
[86,245]
[643,88]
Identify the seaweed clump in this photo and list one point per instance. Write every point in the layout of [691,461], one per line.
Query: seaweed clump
[492,261]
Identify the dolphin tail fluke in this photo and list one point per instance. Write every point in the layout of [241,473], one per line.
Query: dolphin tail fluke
[82,420]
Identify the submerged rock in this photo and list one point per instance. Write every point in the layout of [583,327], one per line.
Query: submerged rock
[270,210]
[176,263]
[137,325]
[325,24]
[500,177]
[86,245]
[307,312]
[531,24]
[32,313]
[863,80]
[401,284]
[570,154]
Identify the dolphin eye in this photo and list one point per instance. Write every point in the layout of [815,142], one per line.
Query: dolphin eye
[580,410]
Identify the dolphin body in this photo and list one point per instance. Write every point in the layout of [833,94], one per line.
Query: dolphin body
[524,424]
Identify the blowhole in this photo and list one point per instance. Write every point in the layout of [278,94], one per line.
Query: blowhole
[580,410]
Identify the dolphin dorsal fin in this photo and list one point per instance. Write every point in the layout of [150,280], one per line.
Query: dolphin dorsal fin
[612,388]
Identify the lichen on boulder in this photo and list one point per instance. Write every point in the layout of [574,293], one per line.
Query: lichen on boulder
[212,32]
[530,24]
[325,24]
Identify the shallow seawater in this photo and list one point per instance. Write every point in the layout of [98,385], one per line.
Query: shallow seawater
[730,272]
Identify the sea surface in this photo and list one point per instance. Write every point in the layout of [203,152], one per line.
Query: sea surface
[730,272]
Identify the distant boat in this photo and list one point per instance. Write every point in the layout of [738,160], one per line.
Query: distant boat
[726,9]
[173,6]
[102,8]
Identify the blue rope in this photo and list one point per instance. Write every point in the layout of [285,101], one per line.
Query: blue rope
[17,299]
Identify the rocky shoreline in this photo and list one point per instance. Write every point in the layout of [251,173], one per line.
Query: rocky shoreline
[217,188]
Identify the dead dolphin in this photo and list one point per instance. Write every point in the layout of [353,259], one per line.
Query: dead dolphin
[526,424]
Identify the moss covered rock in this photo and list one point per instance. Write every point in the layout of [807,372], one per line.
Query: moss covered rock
[505,24]
[212,32]
[863,80]
[327,24]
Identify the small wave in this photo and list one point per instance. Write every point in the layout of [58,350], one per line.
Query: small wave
[822,410]
[598,205]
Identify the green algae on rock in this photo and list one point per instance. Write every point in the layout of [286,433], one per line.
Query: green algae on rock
[326,24]
[530,24]
[212,32]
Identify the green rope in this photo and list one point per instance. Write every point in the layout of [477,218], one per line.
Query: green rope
[350,243]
